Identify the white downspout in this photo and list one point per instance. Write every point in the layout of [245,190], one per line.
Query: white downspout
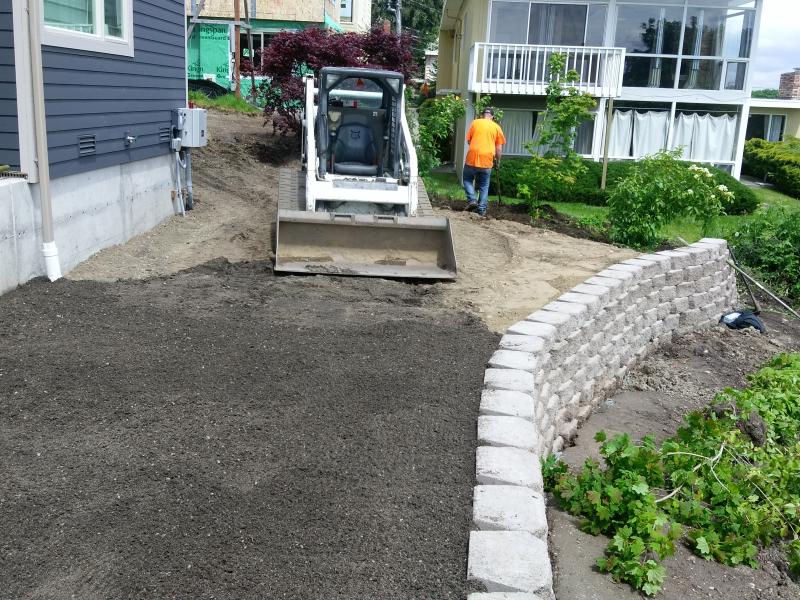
[49,249]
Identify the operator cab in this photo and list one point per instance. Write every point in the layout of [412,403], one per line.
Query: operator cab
[358,124]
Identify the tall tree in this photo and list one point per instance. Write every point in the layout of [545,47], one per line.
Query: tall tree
[292,54]
[421,19]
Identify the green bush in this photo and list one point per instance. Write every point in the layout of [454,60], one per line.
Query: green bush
[745,200]
[657,191]
[775,161]
[437,121]
[769,243]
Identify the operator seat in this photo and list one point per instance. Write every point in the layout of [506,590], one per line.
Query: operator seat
[354,152]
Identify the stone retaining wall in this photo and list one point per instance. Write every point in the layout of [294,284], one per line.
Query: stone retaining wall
[551,370]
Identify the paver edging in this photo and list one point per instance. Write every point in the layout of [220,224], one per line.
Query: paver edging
[551,370]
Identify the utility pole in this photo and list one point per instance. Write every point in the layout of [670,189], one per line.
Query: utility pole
[399,17]
[237,61]
[398,14]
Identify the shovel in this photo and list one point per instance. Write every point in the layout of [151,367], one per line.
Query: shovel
[497,175]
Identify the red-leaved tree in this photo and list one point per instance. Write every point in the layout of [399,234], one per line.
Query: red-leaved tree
[289,54]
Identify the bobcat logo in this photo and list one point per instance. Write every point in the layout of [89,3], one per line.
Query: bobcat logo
[355,134]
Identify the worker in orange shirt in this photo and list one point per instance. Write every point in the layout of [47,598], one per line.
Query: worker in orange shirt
[486,141]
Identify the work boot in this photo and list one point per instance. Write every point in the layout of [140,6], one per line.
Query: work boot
[471,207]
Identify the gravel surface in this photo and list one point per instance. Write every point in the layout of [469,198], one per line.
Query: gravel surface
[224,433]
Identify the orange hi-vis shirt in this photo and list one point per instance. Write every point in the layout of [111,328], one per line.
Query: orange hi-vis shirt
[483,136]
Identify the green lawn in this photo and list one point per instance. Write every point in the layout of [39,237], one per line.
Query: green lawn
[445,184]
[227,103]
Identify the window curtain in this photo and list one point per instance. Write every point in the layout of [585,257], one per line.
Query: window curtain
[518,129]
[621,134]
[714,138]
[683,133]
[649,132]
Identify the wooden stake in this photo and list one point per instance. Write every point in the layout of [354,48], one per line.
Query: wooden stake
[609,123]
[252,53]
[237,60]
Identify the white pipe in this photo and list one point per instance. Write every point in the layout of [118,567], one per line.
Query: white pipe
[49,249]
[178,166]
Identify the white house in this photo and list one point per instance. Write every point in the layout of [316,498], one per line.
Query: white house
[676,72]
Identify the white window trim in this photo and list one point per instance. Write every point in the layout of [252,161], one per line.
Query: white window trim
[94,42]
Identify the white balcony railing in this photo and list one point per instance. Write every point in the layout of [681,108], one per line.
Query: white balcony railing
[523,68]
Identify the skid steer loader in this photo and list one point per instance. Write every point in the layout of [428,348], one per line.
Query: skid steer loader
[356,208]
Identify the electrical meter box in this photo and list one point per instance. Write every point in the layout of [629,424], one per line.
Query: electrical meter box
[191,125]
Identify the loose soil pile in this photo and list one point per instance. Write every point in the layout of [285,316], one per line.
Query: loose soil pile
[677,379]
[223,433]
[545,218]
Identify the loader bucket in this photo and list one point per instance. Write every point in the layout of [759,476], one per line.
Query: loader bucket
[366,245]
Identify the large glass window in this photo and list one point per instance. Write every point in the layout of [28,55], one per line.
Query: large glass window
[596,25]
[689,34]
[699,74]
[547,24]
[93,25]
[649,29]
[641,71]
[557,24]
[718,32]
[766,127]
[509,23]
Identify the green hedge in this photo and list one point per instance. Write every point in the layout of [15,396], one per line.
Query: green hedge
[587,189]
[769,243]
[778,162]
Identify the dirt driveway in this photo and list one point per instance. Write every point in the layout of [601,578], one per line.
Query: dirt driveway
[506,269]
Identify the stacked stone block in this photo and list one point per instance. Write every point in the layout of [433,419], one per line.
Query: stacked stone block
[550,371]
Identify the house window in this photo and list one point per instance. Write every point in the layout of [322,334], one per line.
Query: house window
[649,29]
[94,25]
[543,24]
[718,32]
[704,48]
[766,127]
[346,11]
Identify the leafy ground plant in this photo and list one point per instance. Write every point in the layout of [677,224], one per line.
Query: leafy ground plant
[770,244]
[726,484]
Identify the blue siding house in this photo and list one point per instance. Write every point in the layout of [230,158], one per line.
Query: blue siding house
[113,71]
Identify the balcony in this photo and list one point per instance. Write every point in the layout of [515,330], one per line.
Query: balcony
[522,69]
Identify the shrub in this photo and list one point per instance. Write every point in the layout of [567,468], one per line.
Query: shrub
[437,121]
[769,243]
[776,161]
[744,201]
[658,190]
[544,177]
[586,186]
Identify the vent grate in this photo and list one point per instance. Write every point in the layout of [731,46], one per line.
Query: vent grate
[87,145]
[165,134]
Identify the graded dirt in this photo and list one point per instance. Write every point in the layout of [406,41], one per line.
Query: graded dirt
[224,433]
[675,380]
[507,269]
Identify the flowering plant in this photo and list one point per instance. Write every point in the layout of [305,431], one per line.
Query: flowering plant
[659,190]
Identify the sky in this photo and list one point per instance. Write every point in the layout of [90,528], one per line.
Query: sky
[779,43]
